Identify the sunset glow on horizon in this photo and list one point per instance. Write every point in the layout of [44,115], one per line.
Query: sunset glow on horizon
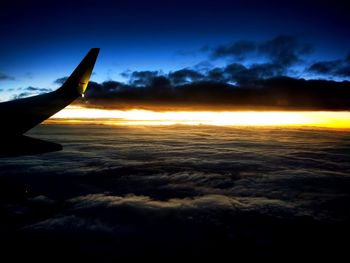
[326,119]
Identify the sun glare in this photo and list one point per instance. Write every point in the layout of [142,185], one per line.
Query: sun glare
[75,114]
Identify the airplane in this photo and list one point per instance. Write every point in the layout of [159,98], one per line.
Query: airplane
[19,116]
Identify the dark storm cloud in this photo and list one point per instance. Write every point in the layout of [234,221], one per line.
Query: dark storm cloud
[142,78]
[254,92]
[153,78]
[34,89]
[243,75]
[60,81]
[335,68]
[283,51]
[4,76]
[217,75]
[30,91]
[238,50]
[185,76]
[248,75]
[277,57]
[22,95]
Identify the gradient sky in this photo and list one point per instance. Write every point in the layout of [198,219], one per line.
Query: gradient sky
[196,191]
[45,40]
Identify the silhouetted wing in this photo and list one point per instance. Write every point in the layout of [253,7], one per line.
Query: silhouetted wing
[21,115]
[24,145]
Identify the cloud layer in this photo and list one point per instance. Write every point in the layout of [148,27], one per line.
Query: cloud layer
[158,191]
[283,50]
[280,93]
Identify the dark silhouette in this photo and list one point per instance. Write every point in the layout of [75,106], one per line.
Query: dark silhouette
[21,115]
[271,94]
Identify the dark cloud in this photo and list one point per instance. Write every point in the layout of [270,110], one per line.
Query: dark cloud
[185,76]
[283,51]
[248,75]
[142,78]
[5,77]
[238,50]
[280,54]
[30,91]
[60,81]
[217,75]
[334,68]
[126,74]
[254,92]
[34,89]
[325,67]
[22,95]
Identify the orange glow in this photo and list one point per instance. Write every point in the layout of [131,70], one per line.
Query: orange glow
[75,114]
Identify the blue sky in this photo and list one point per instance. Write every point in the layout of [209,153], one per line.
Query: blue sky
[45,40]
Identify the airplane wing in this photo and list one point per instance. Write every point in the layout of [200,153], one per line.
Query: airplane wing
[19,116]
[24,145]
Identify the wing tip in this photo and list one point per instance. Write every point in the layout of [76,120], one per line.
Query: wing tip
[77,82]
[95,50]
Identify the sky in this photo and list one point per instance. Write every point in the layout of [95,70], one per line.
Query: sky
[226,185]
[44,40]
[182,55]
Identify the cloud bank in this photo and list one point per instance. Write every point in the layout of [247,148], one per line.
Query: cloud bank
[119,192]
[280,93]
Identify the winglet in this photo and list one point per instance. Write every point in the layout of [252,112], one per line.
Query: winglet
[79,79]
